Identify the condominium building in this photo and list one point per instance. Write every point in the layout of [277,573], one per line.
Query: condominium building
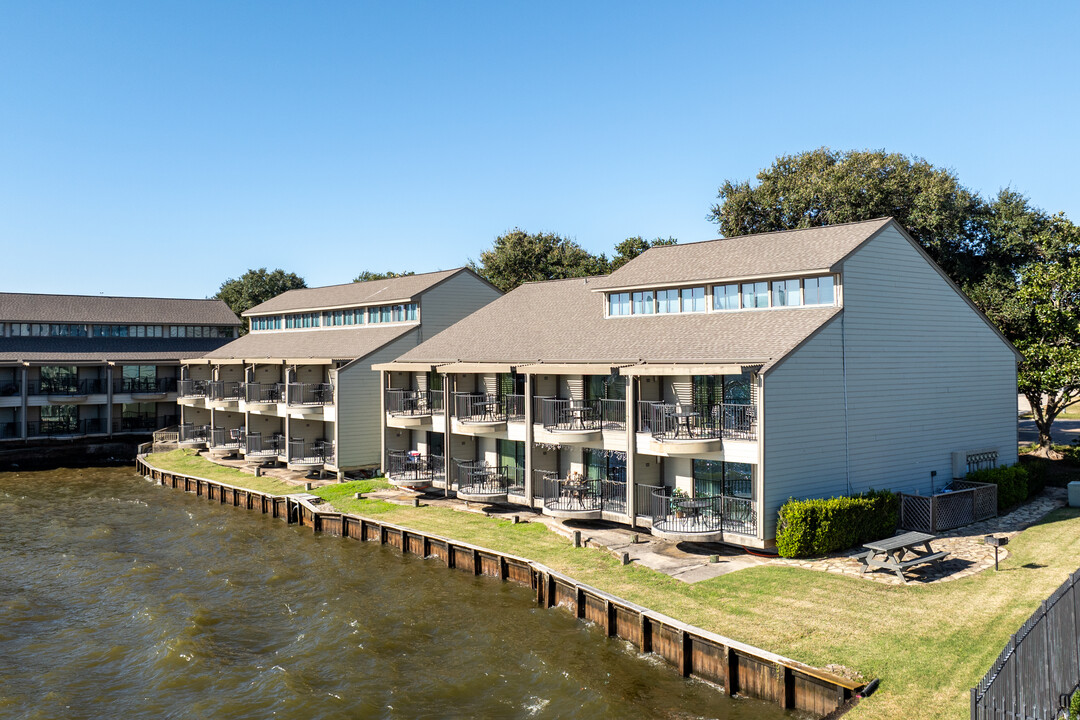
[298,388]
[697,388]
[89,365]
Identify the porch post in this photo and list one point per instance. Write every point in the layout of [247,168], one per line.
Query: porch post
[384,379]
[631,449]
[24,384]
[529,439]
[109,398]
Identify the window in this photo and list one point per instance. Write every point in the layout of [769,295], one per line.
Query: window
[644,304]
[67,330]
[755,295]
[693,299]
[605,387]
[618,304]
[818,291]
[667,301]
[511,454]
[604,465]
[725,297]
[715,477]
[785,293]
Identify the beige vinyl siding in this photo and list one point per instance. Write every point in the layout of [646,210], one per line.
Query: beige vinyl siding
[358,423]
[450,301]
[926,377]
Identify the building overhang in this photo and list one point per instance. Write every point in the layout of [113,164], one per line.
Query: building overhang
[701,369]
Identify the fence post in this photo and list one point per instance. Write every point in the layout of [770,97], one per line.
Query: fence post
[1050,651]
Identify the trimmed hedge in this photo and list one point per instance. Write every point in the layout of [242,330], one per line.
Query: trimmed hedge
[1037,469]
[811,528]
[1011,481]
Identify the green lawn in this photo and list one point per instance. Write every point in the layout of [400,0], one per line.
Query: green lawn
[928,644]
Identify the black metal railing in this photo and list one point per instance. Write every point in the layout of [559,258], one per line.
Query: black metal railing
[263,393]
[223,390]
[145,385]
[316,452]
[256,445]
[413,403]
[67,426]
[142,422]
[560,415]
[413,466]
[515,479]
[10,429]
[191,388]
[189,432]
[480,478]
[228,438]
[310,394]
[612,413]
[581,494]
[478,408]
[514,407]
[666,421]
[9,388]
[643,498]
[543,481]
[703,514]
[67,386]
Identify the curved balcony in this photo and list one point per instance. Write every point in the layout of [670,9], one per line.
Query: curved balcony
[303,455]
[412,408]
[260,448]
[225,441]
[309,399]
[580,498]
[262,394]
[696,429]
[412,469]
[190,435]
[478,414]
[570,421]
[701,518]
[479,482]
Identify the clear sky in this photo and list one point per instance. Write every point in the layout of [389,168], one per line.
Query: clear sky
[159,148]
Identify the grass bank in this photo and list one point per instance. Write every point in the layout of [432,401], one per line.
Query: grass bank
[929,644]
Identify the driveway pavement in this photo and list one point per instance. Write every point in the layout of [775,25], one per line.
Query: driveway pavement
[1063,431]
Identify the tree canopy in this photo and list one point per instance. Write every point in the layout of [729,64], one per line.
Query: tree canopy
[256,286]
[518,257]
[1019,264]
[370,275]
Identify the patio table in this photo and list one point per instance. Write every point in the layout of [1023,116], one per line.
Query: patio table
[683,419]
[890,552]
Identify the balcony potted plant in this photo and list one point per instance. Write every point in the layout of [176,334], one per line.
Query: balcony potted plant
[678,497]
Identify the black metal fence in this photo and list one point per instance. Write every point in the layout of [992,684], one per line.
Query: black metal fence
[478,408]
[703,514]
[189,432]
[223,390]
[1039,668]
[263,393]
[316,452]
[67,386]
[310,394]
[412,466]
[559,415]
[413,403]
[479,478]
[191,388]
[258,445]
[145,385]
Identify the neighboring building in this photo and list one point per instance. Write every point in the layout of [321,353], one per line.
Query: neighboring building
[88,365]
[298,388]
[740,372]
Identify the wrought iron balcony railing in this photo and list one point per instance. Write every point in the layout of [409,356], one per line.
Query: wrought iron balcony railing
[666,421]
[67,386]
[263,393]
[191,388]
[703,514]
[317,452]
[258,445]
[189,432]
[145,385]
[310,394]
[220,390]
[414,403]
[228,438]
[580,494]
[478,408]
[413,466]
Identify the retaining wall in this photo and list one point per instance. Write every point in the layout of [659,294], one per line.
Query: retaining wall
[739,668]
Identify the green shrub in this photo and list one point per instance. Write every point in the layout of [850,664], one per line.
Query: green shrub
[1037,471]
[1011,481]
[809,528]
[1074,706]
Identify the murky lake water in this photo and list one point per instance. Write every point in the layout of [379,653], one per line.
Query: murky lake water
[123,599]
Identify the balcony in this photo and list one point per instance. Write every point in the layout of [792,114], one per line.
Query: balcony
[223,393]
[315,454]
[702,518]
[412,408]
[147,388]
[693,429]
[191,389]
[66,427]
[257,447]
[478,481]
[413,469]
[229,440]
[67,390]
[254,393]
[479,414]
[10,430]
[190,435]
[578,497]
[142,423]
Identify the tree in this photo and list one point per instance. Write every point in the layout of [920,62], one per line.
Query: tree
[369,275]
[518,257]
[1049,376]
[256,286]
[630,248]
[826,187]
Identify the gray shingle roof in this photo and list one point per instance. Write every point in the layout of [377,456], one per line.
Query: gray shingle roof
[373,291]
[40,308]
[563,321]
[777,253]
[344,344]
[62,349]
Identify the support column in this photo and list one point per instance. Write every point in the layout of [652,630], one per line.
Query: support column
[448,435]
[384,380]
[24,384]
[109,399]
[529,439]
[631,449]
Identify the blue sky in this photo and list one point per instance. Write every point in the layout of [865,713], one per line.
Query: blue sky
[160,148]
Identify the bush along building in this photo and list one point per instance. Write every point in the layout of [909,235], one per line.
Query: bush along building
[298,389]
[75,366]
[697,388]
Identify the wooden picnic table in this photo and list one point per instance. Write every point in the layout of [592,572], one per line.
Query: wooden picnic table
[890,552]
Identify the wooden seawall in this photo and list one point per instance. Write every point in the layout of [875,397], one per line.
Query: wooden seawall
[739,668]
